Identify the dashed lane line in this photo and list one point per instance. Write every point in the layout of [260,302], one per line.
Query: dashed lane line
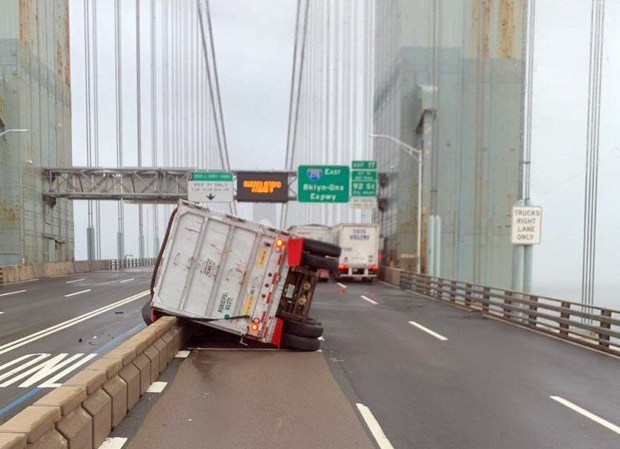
[157,387]
[341,285]
[74,281]
[113,443]
[428,331]
[587,414]
[182,355]
[13,293]
[372,301]
[69,323]
[78,293]
[127,280]
[374,427]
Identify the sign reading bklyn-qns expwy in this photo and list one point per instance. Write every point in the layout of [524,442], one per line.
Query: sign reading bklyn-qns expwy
[323,183]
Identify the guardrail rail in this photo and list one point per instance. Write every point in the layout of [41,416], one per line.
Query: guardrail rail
[596,327]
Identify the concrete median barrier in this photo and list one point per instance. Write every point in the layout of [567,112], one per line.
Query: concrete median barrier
[82,413]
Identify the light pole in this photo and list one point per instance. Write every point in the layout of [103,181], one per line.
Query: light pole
[13,131]
[419,157]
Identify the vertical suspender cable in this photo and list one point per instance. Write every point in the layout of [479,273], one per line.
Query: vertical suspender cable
[87,97]
[154,112]
[119,122]
[96,123]
[139,124]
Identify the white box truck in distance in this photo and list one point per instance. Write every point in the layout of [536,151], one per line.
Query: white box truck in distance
[239,277]
[360,251]
[318,232]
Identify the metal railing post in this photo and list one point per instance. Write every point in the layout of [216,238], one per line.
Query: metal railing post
[564,328]
[605,325]
[486,299]
[531,317]
[507,305]
[468,293]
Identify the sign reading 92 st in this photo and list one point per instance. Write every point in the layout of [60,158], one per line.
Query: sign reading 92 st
[323,184]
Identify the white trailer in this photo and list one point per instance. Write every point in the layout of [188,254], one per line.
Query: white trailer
[360,251]
[318,232]
[237,276]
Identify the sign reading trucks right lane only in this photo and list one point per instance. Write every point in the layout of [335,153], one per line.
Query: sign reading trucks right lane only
[526,225]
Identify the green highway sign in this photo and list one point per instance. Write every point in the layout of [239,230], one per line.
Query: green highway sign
[323,183]
[225,176]
[364,178]
[364,165]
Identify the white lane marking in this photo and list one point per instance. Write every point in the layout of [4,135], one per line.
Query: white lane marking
[374,427]
[428,331]
[321,339]
[372,301]
[77,293]
[157,387]
[13,293]
[69,323]
[1,313]
[127,280]
[341,285]
[113,443]
[182,355]
[587,414]
[74,281]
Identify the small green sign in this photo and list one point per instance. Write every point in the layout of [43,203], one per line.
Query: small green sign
[364,165]
[323,183]
[211,176]
[364,178]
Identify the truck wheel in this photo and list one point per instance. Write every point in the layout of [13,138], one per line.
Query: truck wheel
[146,313]
[310,330]
[322,248]
[300,343]
[318,261]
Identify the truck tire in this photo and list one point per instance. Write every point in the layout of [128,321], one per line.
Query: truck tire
[300,343]
[322,248]
[146,313]
[318,261]
[310,330]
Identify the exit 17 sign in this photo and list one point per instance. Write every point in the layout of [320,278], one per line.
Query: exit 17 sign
[364,178]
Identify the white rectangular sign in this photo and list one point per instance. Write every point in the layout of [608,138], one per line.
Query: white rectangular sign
[210,187]
[526,225]
[363,202]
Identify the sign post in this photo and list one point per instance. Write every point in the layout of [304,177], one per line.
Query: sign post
[210,187]
[364,184]
[323,184]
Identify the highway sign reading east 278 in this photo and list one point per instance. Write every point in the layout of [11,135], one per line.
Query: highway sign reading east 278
[323,183]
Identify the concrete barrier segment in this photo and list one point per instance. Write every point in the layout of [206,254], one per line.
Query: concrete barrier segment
[125,353]
[77,429]
[116,388]
[13,440]
[51,440]
[66,399]
[153,355]
[163,360]
[89,379]
[99,407]
[110,367]
[143,365]
[131,375]
[33,421]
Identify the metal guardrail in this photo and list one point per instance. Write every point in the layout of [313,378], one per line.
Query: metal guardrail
[122,264]
[591,326]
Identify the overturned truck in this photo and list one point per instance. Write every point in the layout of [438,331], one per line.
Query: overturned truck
[240,277]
